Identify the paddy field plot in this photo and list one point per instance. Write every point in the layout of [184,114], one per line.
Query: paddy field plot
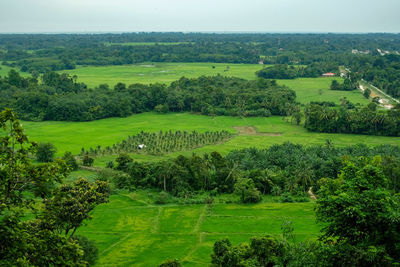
[72,136]
[129,231]
[307,89]
[158,72]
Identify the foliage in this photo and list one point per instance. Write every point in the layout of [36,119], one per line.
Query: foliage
[61,98]
[161,143]
[45,152]
[367,120]
[362,216]
[70,160]
[87,160]
[28,242]
[90,251]
[77,201]
[170,263]
[247,191]
[283,71]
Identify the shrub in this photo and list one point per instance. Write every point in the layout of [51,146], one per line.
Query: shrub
[163,198]
[170,263]
[45,152]
[70,160]
[90,251]
[87,161]
[247,191]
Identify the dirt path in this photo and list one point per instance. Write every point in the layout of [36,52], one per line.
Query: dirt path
[251,130]
[312,196]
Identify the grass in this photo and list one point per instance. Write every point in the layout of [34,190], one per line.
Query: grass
[129,231]
[318,89]
[72,136]
[5,69]
[158,72]
[307,89]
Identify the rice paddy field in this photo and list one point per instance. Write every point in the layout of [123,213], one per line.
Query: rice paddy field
[250,132]
[129,231]
[307,89]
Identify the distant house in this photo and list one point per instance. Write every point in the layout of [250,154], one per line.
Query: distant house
[328,74]
[141,146]
[261,62]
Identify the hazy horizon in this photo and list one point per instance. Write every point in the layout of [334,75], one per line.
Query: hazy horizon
[222,16]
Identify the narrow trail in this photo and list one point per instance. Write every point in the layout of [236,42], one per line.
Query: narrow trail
[312,196]
[156,227]
[116,243]
[196,229]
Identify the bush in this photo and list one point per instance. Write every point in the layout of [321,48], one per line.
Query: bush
[45,152]
[163,198]
[286,197]
[90,251]
[70,160]
[247,191]
[110,164]
[170,263]
[87,161]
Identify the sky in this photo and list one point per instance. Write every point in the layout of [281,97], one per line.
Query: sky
[54,16]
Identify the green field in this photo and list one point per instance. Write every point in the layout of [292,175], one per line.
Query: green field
[5,69]
[129,231]
[158,72]
[72,136]
[307,89]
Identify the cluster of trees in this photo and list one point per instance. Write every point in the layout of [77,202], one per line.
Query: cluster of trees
[160,143]
[361,226]
[350,83]
[381,71]
[279,170]
[284,71]
[44,53]
[59,97]
[38,219]
[366,120]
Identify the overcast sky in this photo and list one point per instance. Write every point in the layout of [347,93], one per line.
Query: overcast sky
[199,15]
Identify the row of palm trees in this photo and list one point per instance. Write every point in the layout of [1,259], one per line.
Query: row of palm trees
[160,143]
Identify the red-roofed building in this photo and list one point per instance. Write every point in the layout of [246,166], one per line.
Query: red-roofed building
[329,74]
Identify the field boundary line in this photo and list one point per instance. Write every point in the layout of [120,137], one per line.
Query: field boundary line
[116,243]
[201,219]
[156,227]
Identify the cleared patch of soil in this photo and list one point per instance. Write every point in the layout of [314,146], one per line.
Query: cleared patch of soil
[250,130]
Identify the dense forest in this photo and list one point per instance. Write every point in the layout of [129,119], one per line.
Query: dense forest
[287,168]
[59,97]
[291,72]
[367,120]
[44,53]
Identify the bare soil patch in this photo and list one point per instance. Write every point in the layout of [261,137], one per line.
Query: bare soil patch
[250,130]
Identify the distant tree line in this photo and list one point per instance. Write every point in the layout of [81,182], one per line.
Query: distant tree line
[366,120]
[43,53]
[59,97]
[284,71]
[381,71]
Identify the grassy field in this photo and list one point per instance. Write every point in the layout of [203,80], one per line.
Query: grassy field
[72,136]
[307,89]
[5,69]
[130,231]
[318,89]
[158,72]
